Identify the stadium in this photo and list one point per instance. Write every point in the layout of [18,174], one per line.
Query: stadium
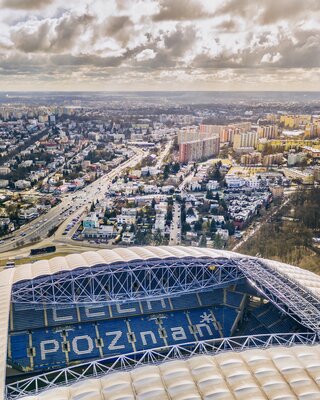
[159,323]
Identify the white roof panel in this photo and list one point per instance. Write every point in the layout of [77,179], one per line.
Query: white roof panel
[206,377]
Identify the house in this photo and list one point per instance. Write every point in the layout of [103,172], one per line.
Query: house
[223,233]
[4,183]
[28,213]
[102,232]
[91,221]
[194,185]
[212,185]
[22,184]
[128,238]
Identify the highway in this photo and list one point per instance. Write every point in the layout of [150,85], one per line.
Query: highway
[72,204]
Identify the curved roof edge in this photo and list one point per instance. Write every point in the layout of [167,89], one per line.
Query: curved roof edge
[105,256]
[92,258]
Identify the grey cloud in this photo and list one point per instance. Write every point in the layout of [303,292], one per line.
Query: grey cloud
[25,4]
[228,25]
[300,50]
[180,41]
[179,10]
[120,28]
[93,60]
[51,35]
[176,44]
[269,11]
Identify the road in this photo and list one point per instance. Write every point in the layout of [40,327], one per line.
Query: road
[69,208]
[175,228]
[164,154]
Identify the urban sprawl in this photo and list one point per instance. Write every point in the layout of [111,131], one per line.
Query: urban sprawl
[74,175]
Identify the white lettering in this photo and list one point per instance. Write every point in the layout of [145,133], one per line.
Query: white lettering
[117,335]
[124,310]
[149,303]
[56,318]
[90,314]
[178,333]
[151,334]
[53,347]
[75,347]
[199,329]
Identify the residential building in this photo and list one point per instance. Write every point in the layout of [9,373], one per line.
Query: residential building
[199,149]
[245,139]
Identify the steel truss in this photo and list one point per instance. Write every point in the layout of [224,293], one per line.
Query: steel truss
[291,298]
[127,281]
[112,364]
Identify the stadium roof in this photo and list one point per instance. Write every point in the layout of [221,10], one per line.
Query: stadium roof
[92,258]
[283,377]
[278,373]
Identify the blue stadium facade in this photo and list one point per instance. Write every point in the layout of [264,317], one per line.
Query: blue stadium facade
[167,297]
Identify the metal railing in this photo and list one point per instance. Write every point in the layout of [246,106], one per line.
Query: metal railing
[112,364]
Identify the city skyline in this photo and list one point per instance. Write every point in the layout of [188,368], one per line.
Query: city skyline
[130,45]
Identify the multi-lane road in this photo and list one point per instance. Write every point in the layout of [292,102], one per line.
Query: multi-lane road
[70,207]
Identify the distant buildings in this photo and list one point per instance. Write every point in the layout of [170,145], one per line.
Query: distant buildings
[225,132]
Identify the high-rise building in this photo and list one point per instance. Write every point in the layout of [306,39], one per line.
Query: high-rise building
[245,139]
[188,133]
[226,132]
[272,159]
[251,158]
[196,150]
[311,130]
[268,131]
[295,121]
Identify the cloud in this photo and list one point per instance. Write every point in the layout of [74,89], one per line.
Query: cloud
[25,4]
[268,12]
[120,28]
[160,41]
[180,10]
[50,35]
[270,58]
[147,54]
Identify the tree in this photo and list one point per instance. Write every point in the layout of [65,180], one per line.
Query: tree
[231,228]
[132,228]
[209,195]
[213,227]
[198,225]
[218,242]
[158,238]
[203,241]
[166,172]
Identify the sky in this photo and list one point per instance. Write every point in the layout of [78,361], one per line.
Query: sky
[116,45]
